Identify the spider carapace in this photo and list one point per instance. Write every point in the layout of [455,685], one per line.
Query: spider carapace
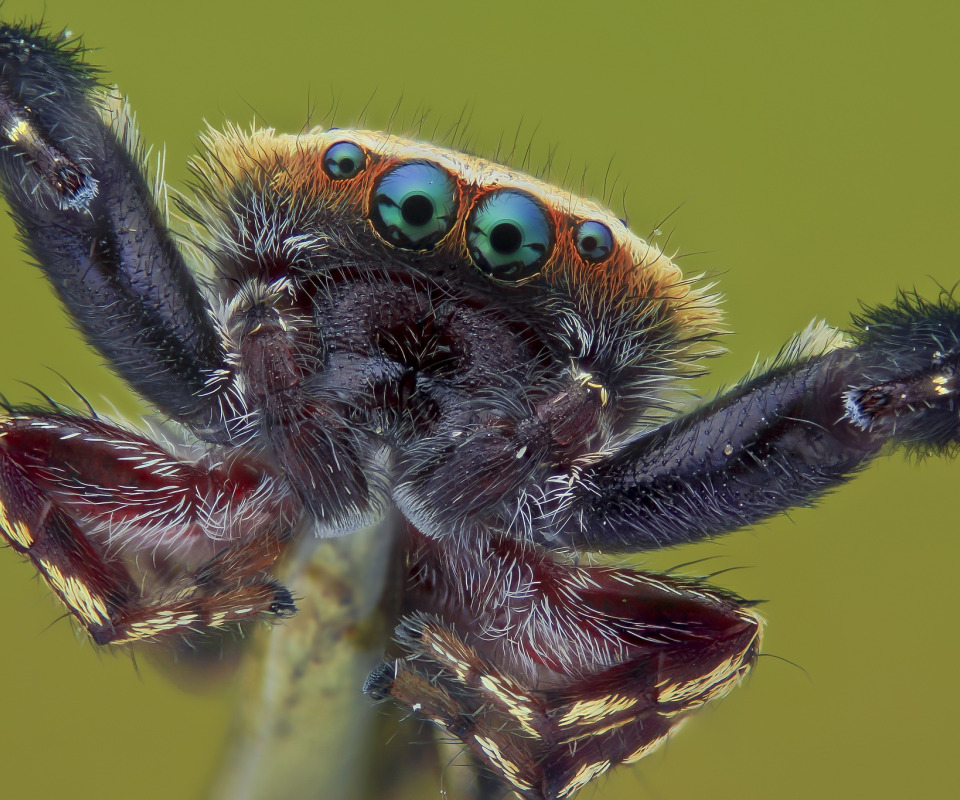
[371,329]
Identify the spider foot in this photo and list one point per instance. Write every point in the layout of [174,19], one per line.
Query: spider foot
[910,383]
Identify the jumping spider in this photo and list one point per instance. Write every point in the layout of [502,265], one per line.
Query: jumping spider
[478,365]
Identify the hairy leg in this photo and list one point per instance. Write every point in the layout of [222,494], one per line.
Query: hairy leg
[70,170]
[105,515]
[552,673]
[781,438]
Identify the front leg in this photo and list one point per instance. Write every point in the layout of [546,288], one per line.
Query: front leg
[780,439]
[70,169]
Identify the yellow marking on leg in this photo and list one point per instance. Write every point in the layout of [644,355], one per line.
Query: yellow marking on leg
[587,711]
[447,656]
[584,775]
[18,130]
[589,733]
[716,683]
[20,534]
[164,622]
[15,530]
[89,607]
[644,750]
[517,705]
[509,770]
[217,619]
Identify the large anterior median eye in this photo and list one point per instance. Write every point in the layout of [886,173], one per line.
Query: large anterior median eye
[414,205]
[344,160]
[509,235]
[594,240]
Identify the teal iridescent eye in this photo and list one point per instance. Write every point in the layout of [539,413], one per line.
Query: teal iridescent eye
[509,235]
[414,206]
[344,160]
[594,240]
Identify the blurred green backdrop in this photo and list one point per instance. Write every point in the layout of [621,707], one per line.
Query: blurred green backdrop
[813,147]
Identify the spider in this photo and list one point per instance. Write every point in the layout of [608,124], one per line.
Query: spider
[476,366]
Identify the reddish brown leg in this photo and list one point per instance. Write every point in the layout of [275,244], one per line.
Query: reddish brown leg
[553,673]
[107,515]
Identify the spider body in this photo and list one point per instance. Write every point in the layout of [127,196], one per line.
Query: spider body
[393,331]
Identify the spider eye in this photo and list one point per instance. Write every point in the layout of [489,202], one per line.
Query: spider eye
[509,235]
[344,160]
[414,206]
[594,240]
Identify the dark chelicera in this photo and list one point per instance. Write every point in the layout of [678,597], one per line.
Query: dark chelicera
[466,365]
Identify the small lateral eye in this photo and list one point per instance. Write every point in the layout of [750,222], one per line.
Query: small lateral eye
[344,160]
[509,235]
[414,206]
[594,240]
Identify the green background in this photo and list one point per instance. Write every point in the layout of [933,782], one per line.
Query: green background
[813,147]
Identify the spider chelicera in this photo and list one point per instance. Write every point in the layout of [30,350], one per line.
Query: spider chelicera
[475,366]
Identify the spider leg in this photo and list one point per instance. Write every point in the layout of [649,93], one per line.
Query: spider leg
[70,168]
[107,516]
[552,673]
[781,438]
